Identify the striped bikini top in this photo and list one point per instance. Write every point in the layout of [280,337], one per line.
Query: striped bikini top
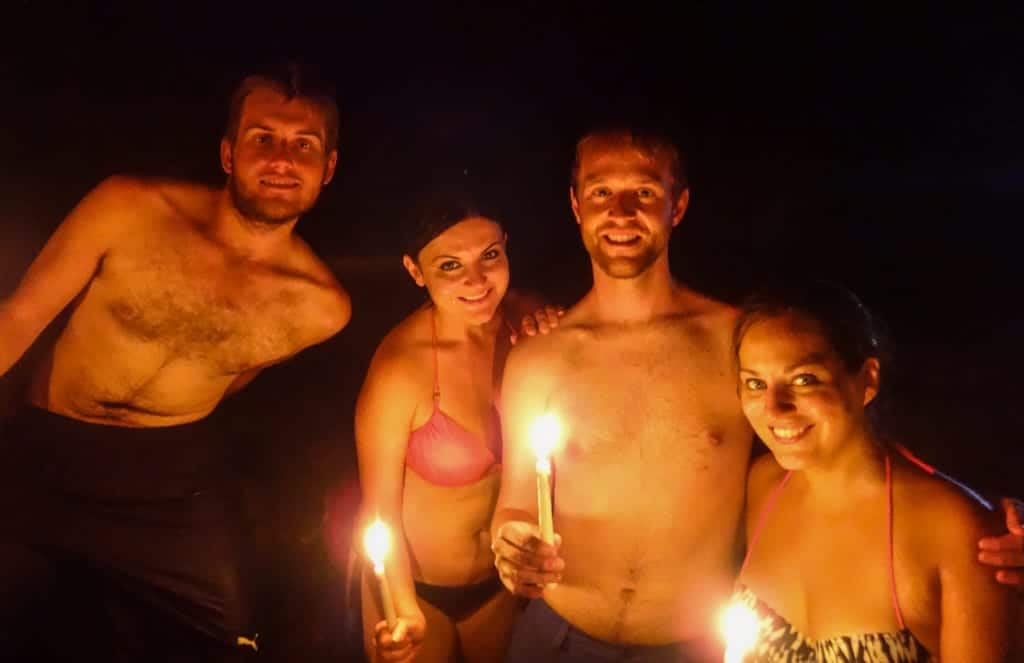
[780,642]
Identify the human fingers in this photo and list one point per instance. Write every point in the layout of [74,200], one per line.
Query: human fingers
[553,314]
[528,325]
[392,639]
[1014,579]
[525,581]
[520,543]
[1008,559]
[1012,543]
[1013,510]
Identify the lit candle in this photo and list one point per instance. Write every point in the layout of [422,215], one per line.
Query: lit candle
[545,433]
[377,542]
[741,628]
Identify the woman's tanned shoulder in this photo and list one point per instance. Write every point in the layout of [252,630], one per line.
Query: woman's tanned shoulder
[944,514]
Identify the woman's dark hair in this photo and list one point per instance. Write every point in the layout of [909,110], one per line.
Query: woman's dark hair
[849,327]
[438,211]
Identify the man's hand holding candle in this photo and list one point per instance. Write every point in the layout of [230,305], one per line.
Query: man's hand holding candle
[526,552]
[525,563]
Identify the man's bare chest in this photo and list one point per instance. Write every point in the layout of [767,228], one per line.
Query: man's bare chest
[196,307]
[653,395]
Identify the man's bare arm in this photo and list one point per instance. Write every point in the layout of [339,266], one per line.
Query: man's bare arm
[65,265]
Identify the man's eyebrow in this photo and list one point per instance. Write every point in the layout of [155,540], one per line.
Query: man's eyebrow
[302,132]
[647,178]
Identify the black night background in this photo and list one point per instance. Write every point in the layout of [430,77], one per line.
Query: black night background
[883,149]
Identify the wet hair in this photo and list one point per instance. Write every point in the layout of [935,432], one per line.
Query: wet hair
[850,329]
[294,81]
[648,141]
[435,213]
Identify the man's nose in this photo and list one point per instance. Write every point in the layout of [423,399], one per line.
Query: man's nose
[281,154]
[623,204]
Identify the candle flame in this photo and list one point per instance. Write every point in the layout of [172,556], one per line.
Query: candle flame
[741,628]
[545,433]
[377,542]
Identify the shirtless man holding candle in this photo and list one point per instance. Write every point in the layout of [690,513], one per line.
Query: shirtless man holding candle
[649,479]
[180,294]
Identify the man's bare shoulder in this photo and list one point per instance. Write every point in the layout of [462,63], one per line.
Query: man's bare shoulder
[118,196]
[331,302]
[186,200]
[572,326]
[126,201]
[705,310]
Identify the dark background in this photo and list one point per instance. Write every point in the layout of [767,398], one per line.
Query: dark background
[882,149]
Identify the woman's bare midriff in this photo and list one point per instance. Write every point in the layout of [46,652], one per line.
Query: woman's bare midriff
[447,529]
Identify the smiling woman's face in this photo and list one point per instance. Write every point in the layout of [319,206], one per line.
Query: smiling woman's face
[465,269]
[797,393]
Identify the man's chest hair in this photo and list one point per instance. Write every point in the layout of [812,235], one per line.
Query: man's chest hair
[198,307]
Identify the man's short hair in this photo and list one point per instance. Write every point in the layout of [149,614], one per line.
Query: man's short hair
[294,81]
[646,140]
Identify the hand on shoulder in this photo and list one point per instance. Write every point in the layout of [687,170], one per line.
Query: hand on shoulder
[1005,551]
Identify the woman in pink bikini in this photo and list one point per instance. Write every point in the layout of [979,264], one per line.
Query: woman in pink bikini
[429,442]
[854,555]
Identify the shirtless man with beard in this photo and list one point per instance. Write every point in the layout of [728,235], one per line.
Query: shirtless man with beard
[649,480]
[180,294]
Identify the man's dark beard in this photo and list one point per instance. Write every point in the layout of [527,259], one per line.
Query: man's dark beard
[271,213]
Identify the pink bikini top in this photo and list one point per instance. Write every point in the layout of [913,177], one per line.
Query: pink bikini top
[443,452]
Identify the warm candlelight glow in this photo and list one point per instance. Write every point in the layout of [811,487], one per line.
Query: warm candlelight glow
[377,542]
[545,433]
[741,628]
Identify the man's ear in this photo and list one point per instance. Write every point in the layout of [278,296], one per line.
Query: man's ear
[332,162]
[225,155]
[574,204]
[682,202]
[414,270]
[871,375]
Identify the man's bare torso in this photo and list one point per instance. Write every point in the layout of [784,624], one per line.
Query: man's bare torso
[649,486]
[171,318]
